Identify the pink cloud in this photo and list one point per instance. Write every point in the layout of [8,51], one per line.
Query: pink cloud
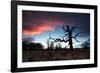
[38,26]
[35,30]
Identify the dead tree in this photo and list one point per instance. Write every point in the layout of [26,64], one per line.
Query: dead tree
[68,37]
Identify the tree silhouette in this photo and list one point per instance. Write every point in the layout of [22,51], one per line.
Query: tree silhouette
[31,45]
[86,44]
[58,45]
[51,45]
[48,44]
[68,36]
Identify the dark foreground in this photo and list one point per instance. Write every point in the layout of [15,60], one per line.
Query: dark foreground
[51,55]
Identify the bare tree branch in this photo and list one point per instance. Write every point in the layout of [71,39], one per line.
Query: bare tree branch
[73,28]
[76,39]
[77,35]
[64,28]
[64,35]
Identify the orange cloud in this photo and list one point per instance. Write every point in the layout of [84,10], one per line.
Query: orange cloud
[35,30]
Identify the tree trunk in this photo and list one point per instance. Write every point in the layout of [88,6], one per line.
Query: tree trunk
[70,38]
[71,44]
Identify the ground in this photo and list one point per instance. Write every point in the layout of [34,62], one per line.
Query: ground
[51,55]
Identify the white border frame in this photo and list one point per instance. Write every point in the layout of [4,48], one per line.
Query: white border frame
[52,63]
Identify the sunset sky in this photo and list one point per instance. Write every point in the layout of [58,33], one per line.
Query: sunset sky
[38,25]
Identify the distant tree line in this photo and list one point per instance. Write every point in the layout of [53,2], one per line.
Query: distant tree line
[50,45]
[31,45]
[86,44]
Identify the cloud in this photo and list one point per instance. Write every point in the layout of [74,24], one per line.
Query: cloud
[39,26]
[28,38]
[36,30]
[35,23]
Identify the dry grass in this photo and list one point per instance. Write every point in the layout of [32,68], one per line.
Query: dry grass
[51,55]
